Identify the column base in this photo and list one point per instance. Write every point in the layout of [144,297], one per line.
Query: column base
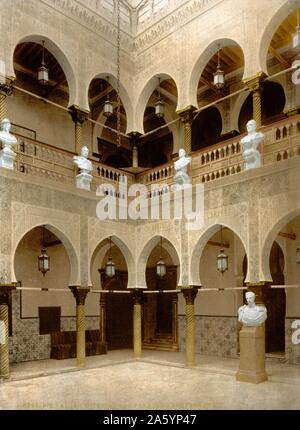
[252,355]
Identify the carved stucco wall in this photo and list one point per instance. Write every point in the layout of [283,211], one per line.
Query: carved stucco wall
[189,30]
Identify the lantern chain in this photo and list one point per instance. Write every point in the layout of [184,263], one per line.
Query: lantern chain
[118,74]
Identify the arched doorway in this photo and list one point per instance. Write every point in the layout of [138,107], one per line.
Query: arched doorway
[275,301]
[118,324]
[160,309]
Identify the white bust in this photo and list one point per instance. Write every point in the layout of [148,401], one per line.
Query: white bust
[82,161]
[250,144]
[6,138]
[180,166]
[252,314]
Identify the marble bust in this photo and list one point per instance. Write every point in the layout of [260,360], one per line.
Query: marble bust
[84,178]
[82,162]
[180,166]
[251,314]
[7,155]
[250,144]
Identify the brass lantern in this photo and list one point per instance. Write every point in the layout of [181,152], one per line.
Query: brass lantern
[110,268]
[43,259]
[159,105]
[296,35]
[43,71]
[161,269]
[219,76]
[108,106]
[222,258]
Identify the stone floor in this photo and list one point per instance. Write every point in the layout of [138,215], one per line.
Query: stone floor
[158,381]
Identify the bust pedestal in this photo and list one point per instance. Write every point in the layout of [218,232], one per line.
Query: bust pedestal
[83,181]
[7,158]
[252,355]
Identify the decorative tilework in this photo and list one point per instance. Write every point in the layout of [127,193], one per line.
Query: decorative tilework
[217,336]
[27,344]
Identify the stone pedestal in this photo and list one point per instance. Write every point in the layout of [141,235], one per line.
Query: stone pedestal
[252,355]
[83,181]
[7,158]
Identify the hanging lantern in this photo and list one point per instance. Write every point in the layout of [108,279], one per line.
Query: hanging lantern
[296,35]
[43,259]
[298,255]
[108,108]
[43,72]
[159,105]
[222,262]
[222,258]
[296,38]
[219,76]
[159,109]
[110,268]
[161,268]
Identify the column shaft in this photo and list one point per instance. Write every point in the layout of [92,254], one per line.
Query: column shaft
[78,136]
[3,110]
[174,320]
[80,328]
[188,137]
[102,319]
[80,296]
[256,99]
[254,84]
[4,347]
[137,323]
[190,295]
[187,115]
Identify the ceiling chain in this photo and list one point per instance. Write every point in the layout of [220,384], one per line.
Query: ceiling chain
[118,75]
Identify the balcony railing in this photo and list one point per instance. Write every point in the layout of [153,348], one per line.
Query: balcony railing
[281,141]
[39,159]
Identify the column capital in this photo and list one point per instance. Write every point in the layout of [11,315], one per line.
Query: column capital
[78,114]
[79,294]
[6,86]
[187,114]
[134,137]
[189,293]
[137,295]
[254,82]
[5,292]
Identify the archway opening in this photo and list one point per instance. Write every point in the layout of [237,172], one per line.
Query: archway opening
[101,91]
[160,309]
[157,148]
[119,333]
[216,308]
[211,126]
[206,128]
[272,105]
[31,118]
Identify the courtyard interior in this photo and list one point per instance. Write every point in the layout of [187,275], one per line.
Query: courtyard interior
[158,380]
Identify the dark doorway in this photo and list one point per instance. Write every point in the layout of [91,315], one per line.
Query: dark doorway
[118,311]
[275,302]
[160,311]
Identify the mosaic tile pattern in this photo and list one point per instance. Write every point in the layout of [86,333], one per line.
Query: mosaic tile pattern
[215,336]
[27,344]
